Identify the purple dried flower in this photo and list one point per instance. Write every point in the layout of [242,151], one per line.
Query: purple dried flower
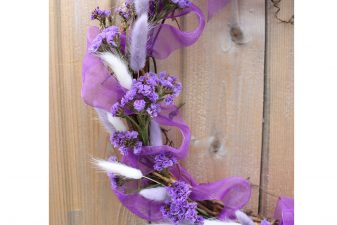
[147,92]
[126,141]
[109,35]
[139,105]
[115,108]
[179,209]
[96,43]
[169,100]
[153,110]
[181,212]
[179,191]
[125,11]
[163,161]
[182,3]
[99,14]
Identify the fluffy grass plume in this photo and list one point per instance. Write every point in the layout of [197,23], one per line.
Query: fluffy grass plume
[218,222]
[118,169]
[155,134]
[138,43]
[158,194]
[103,117]
[110,123]
[117,122]
[119,68]
[243,218]
[142,6]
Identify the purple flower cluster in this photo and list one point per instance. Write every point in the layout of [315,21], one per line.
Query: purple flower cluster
[100,14]
[125,11]
[178,209]
[182,3]
[163,161]
[108,35]
[146,94]
[126,141]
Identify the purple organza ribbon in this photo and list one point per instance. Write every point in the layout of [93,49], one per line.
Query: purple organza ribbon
[234,192]
[284,211]
[166,38]
[101,90]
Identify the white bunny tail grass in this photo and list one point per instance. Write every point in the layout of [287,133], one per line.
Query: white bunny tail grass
[118,169]
[118,123]
[243,218]
[158,194]
[155,134]
[103,117]
[142,6]
[138,44]
[119,68]
[218,222]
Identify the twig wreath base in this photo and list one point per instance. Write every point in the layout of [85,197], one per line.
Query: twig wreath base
[135,103]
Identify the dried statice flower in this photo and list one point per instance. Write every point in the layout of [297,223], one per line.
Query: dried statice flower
[146,94]
[139,105]
[182,3]
[164,160]
[109,35]
[178,209]
[153,110]
[181,213]
[125,11]
[179,191]
[99,14]
[126,141]
[95,44]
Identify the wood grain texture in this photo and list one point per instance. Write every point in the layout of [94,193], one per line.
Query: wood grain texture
[278,156]
[78,194]
[223,91]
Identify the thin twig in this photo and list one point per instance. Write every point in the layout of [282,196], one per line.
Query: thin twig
[153,180]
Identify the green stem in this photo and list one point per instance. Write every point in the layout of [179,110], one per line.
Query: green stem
[133,122]
[144,128]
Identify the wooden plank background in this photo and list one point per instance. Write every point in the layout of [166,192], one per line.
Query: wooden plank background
[239,105]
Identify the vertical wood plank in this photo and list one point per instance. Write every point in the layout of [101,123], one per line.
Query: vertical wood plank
[223,91]
[278,147]
[78,194]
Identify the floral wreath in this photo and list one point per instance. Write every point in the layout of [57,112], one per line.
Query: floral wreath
[134,101]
